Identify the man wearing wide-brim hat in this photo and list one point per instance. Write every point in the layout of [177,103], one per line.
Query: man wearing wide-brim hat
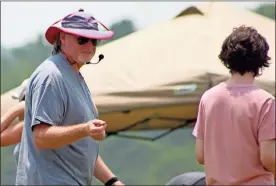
[59,143]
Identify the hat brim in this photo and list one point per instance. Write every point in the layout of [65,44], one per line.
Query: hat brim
[53,30]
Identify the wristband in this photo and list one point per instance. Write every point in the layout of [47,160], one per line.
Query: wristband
[111,181]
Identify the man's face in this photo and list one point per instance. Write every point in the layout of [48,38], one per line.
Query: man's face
[76,47]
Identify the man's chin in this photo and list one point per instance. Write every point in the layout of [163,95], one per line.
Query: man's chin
[83,60]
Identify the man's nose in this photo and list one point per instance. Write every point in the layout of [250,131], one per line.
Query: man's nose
[89,44]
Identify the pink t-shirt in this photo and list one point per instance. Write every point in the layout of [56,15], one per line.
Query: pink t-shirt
[232,120]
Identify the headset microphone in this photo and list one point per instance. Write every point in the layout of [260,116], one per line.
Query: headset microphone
[101,56]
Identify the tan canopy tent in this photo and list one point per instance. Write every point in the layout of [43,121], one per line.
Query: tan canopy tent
[157,75]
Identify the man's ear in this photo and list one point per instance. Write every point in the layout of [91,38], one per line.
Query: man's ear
[62,37]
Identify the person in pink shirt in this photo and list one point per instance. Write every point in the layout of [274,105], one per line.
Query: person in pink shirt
[235,128]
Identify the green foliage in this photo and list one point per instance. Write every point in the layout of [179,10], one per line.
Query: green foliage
[121,28]
[18,63]
[8,168]
[12,76]
[267,10]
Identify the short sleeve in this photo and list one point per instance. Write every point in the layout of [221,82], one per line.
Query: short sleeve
[199,128]
[48,104]
[266,130]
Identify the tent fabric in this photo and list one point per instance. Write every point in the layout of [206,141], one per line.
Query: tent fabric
[163,70]
[176,52]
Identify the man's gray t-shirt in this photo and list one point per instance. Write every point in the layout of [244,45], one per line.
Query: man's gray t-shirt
[16,152]
[57,95]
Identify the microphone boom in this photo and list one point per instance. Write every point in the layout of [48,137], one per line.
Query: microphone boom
[101,56]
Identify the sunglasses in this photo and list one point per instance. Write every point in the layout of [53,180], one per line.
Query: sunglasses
[84,40]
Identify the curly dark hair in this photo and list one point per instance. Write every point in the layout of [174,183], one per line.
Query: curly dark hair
[245,50]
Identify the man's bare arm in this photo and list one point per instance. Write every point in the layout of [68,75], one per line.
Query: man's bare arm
[267,151]
[103,173]
[200,151]
[12,135]
[49,136]
[11,115]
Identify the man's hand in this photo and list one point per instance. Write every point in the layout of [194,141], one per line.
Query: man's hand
[96,129]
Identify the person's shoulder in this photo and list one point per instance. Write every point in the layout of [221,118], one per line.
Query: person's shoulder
[47,68]
[263,97]
[50,66]
[46,73]
[212,91]
[265,94]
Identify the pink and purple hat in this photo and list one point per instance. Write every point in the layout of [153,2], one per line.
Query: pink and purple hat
[78,24]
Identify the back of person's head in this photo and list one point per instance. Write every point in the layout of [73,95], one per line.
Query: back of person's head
[245,50]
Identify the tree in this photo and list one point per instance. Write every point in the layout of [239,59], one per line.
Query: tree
[267,10]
